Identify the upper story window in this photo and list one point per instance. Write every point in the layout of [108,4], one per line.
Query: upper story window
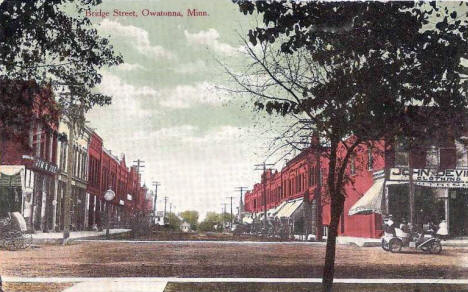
[401,153]
[432,157]
[352,164]
[462,154]
[370,159]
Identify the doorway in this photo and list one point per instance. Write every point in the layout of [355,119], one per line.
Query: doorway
[458,207]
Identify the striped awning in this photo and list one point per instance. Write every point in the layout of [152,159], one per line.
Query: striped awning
[10,180]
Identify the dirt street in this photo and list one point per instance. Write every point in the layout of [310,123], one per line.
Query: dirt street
[101,259]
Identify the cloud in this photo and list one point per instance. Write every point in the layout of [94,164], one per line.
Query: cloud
[126,98]
[130,67]
[185,96]
[209,38]
[136,36]
[192,67]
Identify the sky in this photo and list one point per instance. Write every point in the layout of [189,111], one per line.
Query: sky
[198,141]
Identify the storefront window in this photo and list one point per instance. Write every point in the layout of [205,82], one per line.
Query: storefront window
[432,157]
[401,154]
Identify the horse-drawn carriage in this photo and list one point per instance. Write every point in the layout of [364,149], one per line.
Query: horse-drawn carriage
[13,234]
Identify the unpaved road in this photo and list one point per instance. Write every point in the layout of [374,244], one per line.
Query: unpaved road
[117,259]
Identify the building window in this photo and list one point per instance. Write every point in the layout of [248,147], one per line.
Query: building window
[370,159]
[401,154]
[462,154]
[432,157]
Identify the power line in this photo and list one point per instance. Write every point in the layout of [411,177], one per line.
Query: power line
[241,203]
[230,225]
[263,167]
[139,164]
[155,184]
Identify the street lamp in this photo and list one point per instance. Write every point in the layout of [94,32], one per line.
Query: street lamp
[108,196]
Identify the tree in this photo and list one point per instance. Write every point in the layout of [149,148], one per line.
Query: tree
[173,221]
[50,43]
[212,222]
[190,217]
[354,72]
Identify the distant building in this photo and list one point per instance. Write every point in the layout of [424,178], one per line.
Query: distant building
[185,227]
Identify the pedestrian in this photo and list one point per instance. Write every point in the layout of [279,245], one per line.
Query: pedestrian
[443,230]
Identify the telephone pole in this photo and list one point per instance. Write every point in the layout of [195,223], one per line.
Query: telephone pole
[263,167]
[155,184]
[139,165]
[222,214]
[165,203]
[241,203]
[230,224]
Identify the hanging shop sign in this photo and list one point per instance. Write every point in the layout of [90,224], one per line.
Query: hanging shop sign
[46,166]
[448,178]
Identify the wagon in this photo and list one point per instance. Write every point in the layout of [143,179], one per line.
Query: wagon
[12,232]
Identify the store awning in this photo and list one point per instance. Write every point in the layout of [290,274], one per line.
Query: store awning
[274,211]
[11,175]
[10,180]
[289,208]
[247,220]
[371,202]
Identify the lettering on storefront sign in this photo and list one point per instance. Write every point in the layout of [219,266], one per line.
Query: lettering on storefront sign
[40,164]
[449,178]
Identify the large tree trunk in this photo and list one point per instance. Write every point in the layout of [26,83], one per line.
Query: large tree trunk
[329,267]
[337,206]
[335,183]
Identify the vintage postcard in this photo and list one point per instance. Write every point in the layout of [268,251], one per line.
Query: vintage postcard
[233,145]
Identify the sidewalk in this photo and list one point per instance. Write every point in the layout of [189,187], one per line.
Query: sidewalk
[56,237]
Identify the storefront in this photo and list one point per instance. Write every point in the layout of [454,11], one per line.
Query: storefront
[41,175]
[438,195]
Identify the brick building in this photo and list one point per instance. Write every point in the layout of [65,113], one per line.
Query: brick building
[28,164]
[33,174]
[377,183]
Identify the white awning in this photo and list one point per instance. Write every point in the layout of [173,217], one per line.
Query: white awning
[272,212]
[371,202]
[289,208]
[247,220]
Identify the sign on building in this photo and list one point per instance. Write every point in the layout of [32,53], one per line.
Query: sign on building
[448,178]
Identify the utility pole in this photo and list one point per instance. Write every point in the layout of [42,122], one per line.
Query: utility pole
[230,225]
[139,165]
[155,184]
[223,212]
[241,203]
[165,203]
[170,213]
[263,167]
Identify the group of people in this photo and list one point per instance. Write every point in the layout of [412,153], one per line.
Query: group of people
[407,229]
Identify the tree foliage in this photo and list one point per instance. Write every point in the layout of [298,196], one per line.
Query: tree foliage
[173,221]
[214,221]
[356,72]
[191,217]
[51,42]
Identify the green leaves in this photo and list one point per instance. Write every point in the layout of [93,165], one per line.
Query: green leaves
[39,41]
